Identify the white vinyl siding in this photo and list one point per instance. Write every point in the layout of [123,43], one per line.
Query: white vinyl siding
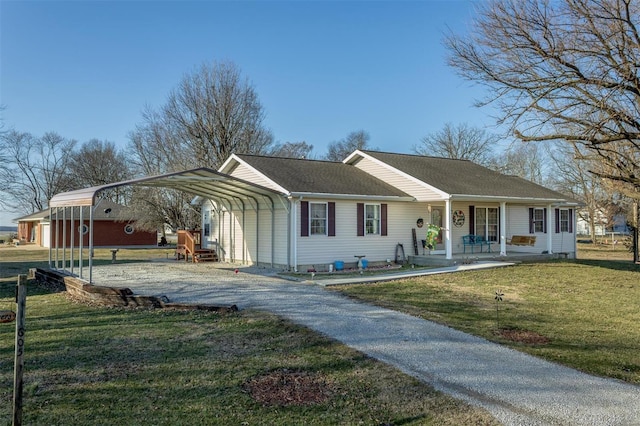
[420,191]
[250,175]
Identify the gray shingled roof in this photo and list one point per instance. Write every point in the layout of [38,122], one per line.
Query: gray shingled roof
[320,177]
[462,177]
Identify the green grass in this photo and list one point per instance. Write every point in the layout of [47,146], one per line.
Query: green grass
[90,365]
[588,309]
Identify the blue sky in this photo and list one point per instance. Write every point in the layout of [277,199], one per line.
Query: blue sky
[86,69]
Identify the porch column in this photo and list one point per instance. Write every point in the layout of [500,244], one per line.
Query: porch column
[447,229]
[503,228]
[549,222]
[294,229]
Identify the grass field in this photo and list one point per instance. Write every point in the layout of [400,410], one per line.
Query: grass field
[90,365]
[583,313]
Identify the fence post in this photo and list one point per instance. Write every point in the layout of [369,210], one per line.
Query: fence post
[21,299]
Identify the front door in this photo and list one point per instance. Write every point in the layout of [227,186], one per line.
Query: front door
[437,215]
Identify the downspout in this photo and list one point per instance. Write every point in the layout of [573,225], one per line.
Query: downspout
[549,230]
[503,227]
[289,235]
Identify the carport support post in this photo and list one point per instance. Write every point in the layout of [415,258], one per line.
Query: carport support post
[90,244]
[21,301]
[635,233]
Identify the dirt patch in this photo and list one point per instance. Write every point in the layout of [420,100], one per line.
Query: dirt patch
[285,388]
[523,336]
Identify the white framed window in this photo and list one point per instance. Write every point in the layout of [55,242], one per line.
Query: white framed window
[318,218]
[538,220]
[128,229]
[486,222]
[564,220]
[372,219]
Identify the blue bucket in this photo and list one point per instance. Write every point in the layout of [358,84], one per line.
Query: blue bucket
[339,264]
[365,263]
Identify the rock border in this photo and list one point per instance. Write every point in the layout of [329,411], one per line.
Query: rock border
[113,296]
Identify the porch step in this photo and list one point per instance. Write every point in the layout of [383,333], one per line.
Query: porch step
[205,256]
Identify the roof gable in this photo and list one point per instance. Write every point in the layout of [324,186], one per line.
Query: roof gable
[462,177]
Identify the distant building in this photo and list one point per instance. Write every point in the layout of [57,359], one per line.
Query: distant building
[111,228]
[601,228]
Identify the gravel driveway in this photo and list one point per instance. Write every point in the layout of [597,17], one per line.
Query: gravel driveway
[517,389]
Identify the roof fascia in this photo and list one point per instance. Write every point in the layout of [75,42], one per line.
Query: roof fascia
[228,164]
[350,159]
[559,201]
[316,195]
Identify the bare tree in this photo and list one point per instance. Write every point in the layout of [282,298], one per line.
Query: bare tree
[461,142]
[339,150]
[525,160]
[572,163]
[292,150]
[36,170]
[214,112]
[153,208]
[561,70]
[97,163]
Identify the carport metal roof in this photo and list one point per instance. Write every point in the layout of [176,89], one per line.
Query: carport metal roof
[203,182]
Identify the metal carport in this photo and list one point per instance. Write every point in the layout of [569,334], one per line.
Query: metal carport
[203,182]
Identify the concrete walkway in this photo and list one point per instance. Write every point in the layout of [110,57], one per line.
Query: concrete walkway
[517,389]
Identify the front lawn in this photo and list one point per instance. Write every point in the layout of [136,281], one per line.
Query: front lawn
[88,365]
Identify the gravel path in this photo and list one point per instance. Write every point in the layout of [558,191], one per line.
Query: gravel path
[516,388]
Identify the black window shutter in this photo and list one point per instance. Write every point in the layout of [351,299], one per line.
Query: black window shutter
[383,220]
[571,221]
[331,213]
[472,219]
[532,227]
[360,219]
[557,221]
[304,218]
[544,220]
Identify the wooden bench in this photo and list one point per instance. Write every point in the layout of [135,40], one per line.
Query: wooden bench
[522,240]
[474,241]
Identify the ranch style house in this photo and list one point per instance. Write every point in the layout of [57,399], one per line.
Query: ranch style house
[300,214]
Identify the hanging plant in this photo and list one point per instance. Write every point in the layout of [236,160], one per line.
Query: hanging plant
[432,236]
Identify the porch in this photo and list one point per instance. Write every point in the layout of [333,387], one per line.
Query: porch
[189,246]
